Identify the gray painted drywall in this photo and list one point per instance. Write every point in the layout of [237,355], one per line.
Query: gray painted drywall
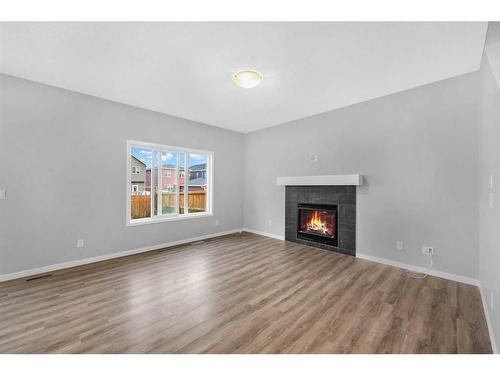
[418,152]
[417,149]
[489,164]
[63,164]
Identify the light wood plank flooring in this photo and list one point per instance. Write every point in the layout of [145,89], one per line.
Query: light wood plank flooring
[240,294]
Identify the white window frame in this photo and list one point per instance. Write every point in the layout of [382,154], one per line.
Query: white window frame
[173,216]
[135,188]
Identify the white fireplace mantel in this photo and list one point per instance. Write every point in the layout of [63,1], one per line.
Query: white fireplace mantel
[335,179]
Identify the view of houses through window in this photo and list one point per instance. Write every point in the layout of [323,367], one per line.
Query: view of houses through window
[158,181]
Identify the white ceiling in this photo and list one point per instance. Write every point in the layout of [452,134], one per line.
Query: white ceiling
[184,69]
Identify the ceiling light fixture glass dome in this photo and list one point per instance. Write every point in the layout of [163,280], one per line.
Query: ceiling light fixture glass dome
[247,79]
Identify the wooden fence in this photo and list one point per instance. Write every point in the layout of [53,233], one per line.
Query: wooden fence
[140,205]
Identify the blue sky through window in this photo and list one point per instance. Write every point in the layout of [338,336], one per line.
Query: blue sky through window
[168,158]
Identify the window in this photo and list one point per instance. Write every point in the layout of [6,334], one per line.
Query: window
[176,184]
[197,185]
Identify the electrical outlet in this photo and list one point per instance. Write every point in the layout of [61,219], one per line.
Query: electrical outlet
[2,194]
[314,158]
[399,245]
[80,243]
[270,223]
[427,250]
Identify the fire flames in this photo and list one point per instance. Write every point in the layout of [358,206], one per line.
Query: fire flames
[315,224]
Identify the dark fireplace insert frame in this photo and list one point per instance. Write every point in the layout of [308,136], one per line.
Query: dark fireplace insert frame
[344,197]
[318,238]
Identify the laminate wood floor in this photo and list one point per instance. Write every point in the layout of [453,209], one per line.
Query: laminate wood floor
[240,294]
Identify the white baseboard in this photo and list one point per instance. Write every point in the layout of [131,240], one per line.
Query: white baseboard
[411,267]
[81,262]
[441,274]
[488,322]
[275,236]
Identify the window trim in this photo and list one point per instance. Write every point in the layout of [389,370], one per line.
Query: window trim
[175,216]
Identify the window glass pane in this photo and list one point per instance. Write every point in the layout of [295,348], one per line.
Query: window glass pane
[156,155]
[168,182]
[159,178]
[181,178]
[197,183]
[140,190]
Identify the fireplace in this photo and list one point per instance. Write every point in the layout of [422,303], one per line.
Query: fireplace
[317,223]
[322,216]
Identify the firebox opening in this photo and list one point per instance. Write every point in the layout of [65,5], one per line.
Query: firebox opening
[317,223]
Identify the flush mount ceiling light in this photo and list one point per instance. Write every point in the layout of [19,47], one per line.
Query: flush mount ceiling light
[247,79]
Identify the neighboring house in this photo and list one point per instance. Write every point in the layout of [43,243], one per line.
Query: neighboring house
[197,177]
[168,177]
[137,176]
[198,171]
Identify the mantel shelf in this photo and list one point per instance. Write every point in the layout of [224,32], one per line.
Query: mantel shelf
[331,180]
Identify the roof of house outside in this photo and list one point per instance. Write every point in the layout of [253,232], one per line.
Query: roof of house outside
[198,167]
[140,161]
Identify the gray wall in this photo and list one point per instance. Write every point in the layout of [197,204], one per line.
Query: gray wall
[418,151]
[63,163]
[489,164]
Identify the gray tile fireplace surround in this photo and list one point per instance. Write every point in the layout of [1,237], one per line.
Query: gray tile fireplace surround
[342,196]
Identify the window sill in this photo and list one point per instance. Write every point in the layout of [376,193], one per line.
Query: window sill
[162,219]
